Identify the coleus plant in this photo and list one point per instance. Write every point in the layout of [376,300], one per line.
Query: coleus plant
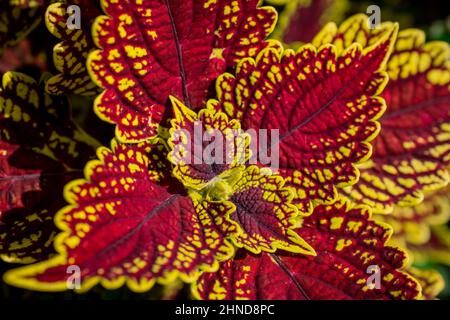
[138,215]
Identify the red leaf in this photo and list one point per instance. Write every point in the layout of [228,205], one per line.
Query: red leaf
[324,105]
[122,227]
[412,152]
[347,243]
[168,47]
[264,213]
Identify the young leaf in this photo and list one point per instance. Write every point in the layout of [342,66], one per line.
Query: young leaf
[324,105]
[120,226]
[71,54]
[412,152]
[193,165]
[154,49]
[350,251]
[264,213]
[258,214]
